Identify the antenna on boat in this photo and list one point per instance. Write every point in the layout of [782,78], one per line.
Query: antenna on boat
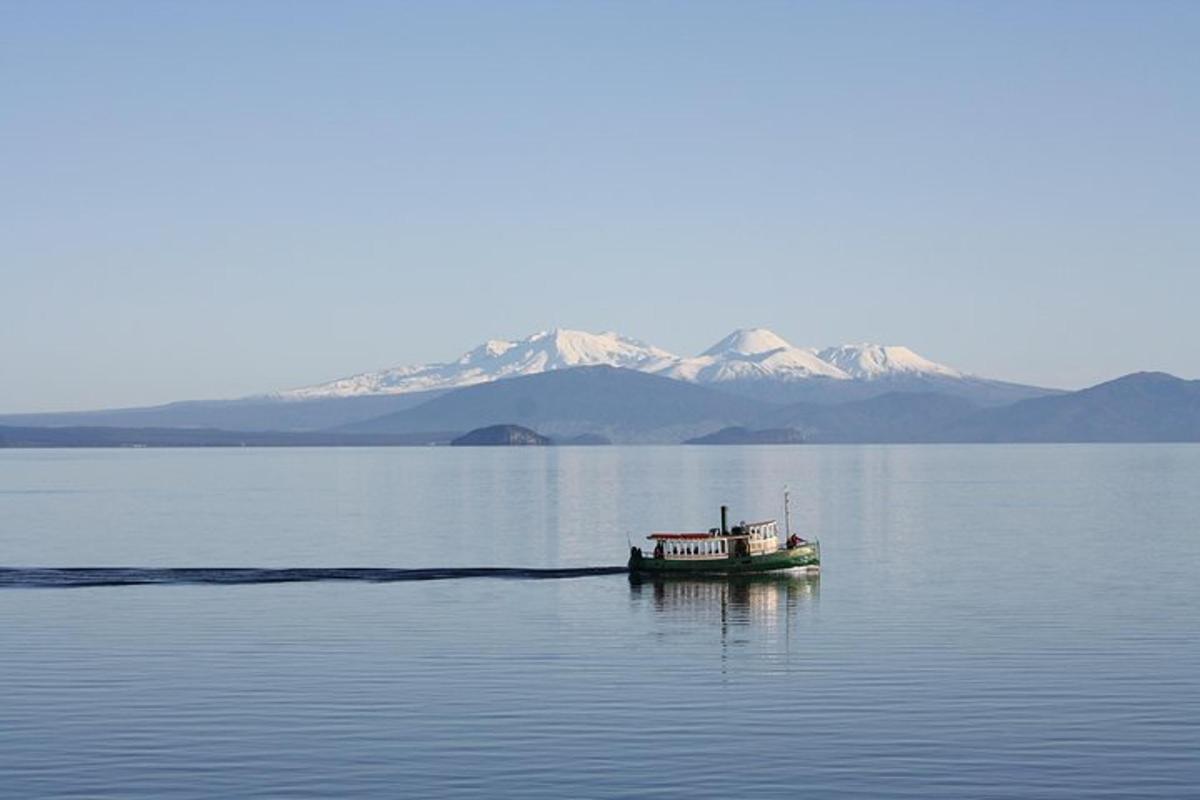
[787,511]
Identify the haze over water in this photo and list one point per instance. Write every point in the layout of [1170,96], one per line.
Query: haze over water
[991,621]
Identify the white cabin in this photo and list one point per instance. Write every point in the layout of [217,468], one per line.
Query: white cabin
[746,538]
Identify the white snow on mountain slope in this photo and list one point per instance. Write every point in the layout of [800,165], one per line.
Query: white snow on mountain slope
[496,359]
[745,354]
[749,342]
[753,354]
[873,361]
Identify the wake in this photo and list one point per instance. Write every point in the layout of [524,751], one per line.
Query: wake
[80,577]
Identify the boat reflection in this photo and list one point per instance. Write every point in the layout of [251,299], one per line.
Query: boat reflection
[767,600]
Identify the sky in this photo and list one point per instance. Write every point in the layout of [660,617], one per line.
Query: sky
[203,200]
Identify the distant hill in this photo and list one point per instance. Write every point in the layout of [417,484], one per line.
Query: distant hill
[737,434]
[633,406]
[827,391]
[1142,407]
[621,404]
[68,436]
[602,403]
[249,414]
[501,436]
[582,440]
[894,417]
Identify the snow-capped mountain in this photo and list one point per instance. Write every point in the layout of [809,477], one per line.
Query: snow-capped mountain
[749,369]
[745,357]
[872,361]
[497,359]
[753,354]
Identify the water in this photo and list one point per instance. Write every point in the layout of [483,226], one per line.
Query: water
[991,621]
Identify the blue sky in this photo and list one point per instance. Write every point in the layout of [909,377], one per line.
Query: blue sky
[217,199]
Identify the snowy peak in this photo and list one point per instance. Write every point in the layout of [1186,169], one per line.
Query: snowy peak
[496,359]
[568,348]
[492,348]
[748,342]
[873,361]
[753,354]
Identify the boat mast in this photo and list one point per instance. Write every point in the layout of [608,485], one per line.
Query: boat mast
[787,512]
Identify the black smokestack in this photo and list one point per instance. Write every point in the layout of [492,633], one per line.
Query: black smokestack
[724,523]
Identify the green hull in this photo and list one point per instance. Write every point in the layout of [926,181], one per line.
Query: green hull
[807,555]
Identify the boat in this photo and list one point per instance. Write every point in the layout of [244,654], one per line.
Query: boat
[745,548]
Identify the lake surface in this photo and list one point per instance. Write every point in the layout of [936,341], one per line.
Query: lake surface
[991,621]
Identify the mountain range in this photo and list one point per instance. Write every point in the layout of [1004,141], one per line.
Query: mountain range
[629,406]
[569,384]
[623,405]
[752,361]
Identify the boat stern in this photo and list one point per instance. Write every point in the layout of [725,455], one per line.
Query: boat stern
[635,559]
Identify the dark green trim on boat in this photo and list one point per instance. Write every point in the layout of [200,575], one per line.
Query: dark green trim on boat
[804,555]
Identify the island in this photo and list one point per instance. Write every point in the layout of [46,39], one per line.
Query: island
[740,435]
[588,439]
[501,436]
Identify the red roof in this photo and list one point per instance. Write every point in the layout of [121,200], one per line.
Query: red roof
[692,536]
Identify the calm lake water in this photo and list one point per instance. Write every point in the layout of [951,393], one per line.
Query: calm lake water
[992,621]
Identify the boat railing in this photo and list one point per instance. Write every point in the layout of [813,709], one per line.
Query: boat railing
[761,538]
[694,547]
